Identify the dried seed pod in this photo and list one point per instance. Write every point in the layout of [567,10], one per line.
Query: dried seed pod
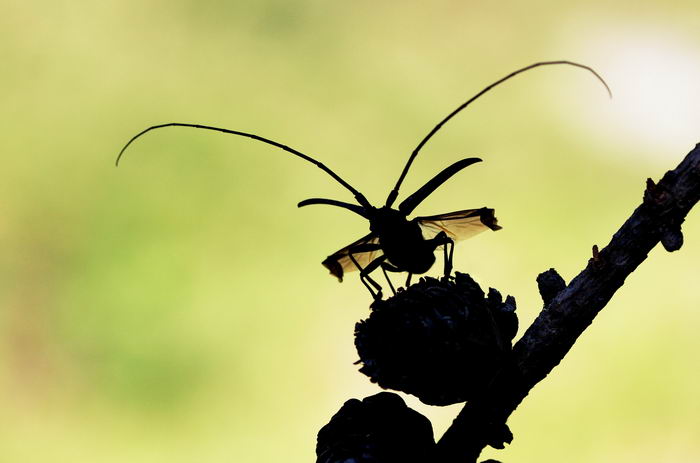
[440,340]
[378,429]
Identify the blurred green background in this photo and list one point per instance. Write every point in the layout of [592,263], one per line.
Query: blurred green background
[175,309]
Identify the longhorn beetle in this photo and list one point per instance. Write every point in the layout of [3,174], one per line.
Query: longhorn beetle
[395,243]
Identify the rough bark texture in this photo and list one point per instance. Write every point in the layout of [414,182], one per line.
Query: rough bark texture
[570,309]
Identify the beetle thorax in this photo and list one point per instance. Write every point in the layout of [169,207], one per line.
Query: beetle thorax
[402,240]
[386,221]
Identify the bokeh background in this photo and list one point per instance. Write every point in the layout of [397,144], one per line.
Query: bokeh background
[174,309]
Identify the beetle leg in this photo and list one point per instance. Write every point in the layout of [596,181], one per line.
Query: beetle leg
[441,239]
[448,256]
[371,267]
[386,267]
[391,268]
[376,292]
[365,278]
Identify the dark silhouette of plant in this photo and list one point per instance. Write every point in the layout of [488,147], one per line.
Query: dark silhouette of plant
[445,341]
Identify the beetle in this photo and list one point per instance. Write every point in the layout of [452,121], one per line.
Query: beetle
[395,243]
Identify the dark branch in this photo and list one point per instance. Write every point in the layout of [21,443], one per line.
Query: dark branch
[570,310]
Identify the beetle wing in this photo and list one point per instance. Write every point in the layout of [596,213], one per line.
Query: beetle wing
[459,225]
[366,249]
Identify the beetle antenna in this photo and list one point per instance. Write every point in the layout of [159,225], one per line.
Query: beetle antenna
[395,192]
[358,196]
[332,202]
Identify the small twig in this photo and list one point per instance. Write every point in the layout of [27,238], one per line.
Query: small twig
[570,310]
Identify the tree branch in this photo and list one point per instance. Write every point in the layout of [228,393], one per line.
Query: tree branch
[569,310]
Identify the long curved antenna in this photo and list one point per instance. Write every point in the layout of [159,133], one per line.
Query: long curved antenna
[358,196]
[332,202]
[395,192]
[410,203]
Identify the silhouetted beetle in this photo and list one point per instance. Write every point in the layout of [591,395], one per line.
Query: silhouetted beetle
[395,243]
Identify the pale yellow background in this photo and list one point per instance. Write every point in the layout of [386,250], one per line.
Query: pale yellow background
[175,309]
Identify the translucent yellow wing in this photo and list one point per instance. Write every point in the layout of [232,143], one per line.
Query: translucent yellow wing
[459,225]
[364,251]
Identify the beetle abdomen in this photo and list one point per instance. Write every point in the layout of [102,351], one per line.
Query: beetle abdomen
[409,252]
[417,262]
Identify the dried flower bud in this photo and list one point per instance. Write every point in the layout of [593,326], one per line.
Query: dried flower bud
[378,429]
[440,340]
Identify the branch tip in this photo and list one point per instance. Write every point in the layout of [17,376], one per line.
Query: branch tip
[672,240]
[550,283]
